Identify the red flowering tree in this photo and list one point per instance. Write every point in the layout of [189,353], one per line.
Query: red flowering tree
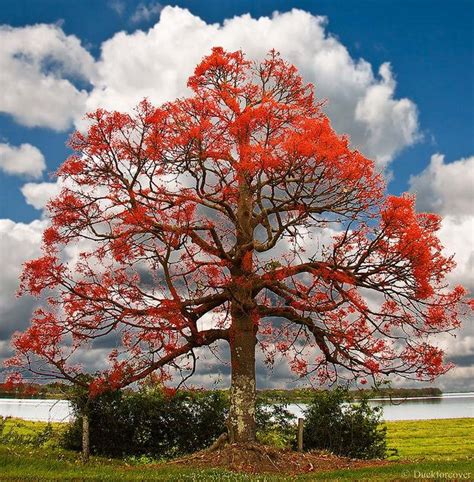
[198,222]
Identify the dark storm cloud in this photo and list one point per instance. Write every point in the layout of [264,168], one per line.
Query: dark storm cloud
[463,360]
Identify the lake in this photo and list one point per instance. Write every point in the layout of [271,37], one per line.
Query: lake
[449,405]
[36,409]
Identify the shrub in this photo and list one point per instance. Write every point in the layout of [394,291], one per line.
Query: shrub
[335,423]
[150,423]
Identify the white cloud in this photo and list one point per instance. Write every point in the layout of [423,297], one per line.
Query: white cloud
[457,380]
[18,243]
[445,188]
[158,62]
[24,160]
[146,12]
[383,115]
[457,236]
[37,64]
[38,194]
[457,347]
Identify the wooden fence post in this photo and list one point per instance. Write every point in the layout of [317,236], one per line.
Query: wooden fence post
[300,434]
[85,438]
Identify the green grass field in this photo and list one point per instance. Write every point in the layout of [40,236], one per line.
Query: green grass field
[424,447]
[445,439]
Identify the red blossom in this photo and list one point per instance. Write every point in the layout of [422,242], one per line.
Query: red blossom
[209,219]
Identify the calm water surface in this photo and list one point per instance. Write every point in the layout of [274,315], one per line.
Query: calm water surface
[449,405]
[38,410]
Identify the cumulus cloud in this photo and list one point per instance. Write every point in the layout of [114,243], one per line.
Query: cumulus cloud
[38,194]
[38,64]
[457,236]
[19,242]
[23,160]
[382,114]
[159,61]
[41,62]
[445,188]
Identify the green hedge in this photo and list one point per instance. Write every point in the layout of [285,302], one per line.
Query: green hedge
[150,423]
[153,424]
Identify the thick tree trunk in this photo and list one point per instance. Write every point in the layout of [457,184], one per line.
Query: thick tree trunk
[243,333]
[242,426]
[85,438]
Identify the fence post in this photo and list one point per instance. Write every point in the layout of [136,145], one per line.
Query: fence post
[300,434]
[85,438]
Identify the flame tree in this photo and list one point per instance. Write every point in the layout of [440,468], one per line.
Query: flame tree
[198,222]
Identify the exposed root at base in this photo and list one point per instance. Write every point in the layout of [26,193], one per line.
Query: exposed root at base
[220,442]
[255,458]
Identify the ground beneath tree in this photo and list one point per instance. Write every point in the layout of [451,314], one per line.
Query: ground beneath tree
[255,459]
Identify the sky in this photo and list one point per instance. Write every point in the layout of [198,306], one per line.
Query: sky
[397,76]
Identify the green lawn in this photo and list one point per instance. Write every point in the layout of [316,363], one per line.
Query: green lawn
[26,427]
[447,439]
[443,446]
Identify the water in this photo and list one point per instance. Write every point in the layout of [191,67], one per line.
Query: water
[37,410]
[449,405]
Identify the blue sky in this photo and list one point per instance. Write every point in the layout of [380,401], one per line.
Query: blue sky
[415,118]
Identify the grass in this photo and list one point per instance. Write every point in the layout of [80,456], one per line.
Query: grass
[27,427]
[445,439]
[424,448]
[40,464]
[437,470]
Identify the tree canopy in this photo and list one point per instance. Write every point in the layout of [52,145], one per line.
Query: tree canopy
[238,215]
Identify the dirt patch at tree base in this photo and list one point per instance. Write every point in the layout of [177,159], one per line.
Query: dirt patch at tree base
[255,459]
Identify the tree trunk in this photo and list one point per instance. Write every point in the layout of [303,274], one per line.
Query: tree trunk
[242,427]
[243,332]
[85,438]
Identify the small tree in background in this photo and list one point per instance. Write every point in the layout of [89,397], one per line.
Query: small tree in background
[336,423]
[198,222]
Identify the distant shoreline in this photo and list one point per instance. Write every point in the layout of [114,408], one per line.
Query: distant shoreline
[296,395]
[304,395]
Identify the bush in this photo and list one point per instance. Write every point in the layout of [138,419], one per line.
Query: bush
[336,424]
[150,423]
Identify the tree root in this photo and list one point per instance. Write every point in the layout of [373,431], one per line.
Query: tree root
[255,458]
[220,441]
